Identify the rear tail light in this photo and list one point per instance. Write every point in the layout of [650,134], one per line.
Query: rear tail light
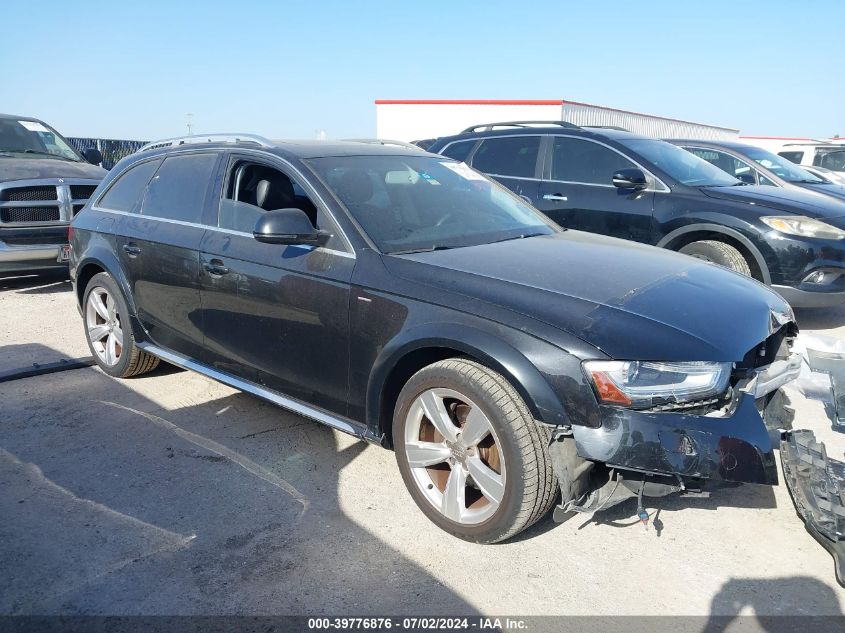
[69,233]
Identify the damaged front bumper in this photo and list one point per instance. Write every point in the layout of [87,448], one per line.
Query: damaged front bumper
[817,486]
[736,447]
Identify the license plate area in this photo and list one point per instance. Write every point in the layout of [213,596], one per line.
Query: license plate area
[64,253]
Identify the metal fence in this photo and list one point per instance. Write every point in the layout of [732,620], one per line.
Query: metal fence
[111,149]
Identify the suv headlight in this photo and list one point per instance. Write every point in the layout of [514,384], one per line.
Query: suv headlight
[804,226]
[647,384]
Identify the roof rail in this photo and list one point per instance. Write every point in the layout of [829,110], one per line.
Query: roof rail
[485,127]
[197,139]
[605,127]
[382,141]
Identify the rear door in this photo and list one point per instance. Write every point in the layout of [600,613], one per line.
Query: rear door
[273,314]
[160,250]
[577,191]
[513,161]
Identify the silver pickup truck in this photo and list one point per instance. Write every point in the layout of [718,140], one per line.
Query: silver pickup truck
[44,182]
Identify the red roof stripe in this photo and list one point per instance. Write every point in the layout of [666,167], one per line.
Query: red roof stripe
[469,101]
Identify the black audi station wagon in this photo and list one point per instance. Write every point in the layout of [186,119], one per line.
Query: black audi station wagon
[611,182]
[407,299]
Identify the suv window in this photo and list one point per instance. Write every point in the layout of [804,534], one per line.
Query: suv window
[831,160]
[178,190]
[460,150]
[508,156]
[735,167]
[126,191]
[582,161]
[795,157]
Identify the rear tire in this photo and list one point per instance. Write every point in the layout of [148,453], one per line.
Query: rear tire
[491,445]
[108,330]
[718,253]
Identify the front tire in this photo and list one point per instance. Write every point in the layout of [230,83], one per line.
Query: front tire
[108,330]
[718,253]
[471,454]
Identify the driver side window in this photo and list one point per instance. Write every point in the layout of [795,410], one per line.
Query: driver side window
[252,189]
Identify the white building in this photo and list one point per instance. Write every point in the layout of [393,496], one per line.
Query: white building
[410,120]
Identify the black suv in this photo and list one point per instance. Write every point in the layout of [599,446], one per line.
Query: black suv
[406,299]
[44,182]
[615,183]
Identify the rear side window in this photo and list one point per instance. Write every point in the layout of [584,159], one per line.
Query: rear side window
[831,160]
[178,190]
[795,157]
[459,151]
[508,156]
[577,160]
[126,191]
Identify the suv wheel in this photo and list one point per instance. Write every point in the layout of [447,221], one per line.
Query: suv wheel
[109,331]
[470,452]
[718,253]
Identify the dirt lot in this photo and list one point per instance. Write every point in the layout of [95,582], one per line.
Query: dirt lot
[172,494]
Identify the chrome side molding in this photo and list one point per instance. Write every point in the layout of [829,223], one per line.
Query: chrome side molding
[358,430]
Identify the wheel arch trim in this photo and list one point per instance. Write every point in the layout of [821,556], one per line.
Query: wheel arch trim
[477,344]
[727,232]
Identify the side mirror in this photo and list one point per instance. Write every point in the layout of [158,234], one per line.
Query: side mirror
[630,179]
[288,226]
[92,155]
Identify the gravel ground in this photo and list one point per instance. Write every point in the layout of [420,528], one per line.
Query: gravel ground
[172,494]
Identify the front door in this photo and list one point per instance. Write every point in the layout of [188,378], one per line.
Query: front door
[273,314]
[577,191]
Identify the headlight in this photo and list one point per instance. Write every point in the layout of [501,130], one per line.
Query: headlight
[647,384]
[804,226]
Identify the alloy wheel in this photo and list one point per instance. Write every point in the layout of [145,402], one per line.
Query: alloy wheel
[102,322]
[454,456]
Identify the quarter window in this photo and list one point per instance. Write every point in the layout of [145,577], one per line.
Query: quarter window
[459,151]
[178,190]
[125,193]
[508,156]
[578,160]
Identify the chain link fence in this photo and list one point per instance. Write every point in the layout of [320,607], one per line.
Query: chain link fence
[111,149]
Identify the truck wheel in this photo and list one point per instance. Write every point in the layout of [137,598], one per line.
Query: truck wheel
[471,454]
[718,253]
[109,331]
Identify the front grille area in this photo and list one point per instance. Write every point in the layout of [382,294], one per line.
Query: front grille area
[81,192]
[29,194]
[77,208]
[29,214]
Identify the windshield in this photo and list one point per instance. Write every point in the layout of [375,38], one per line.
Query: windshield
[35,139]
[780,166]
[410,203]
[680,164]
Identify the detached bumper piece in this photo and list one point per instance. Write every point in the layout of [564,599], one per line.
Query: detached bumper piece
[817,486]
[833,364]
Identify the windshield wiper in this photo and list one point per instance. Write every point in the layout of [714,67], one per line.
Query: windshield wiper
[50,154]
[425,249]
[519,237]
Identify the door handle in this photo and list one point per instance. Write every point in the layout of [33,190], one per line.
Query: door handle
[555,196]
[131,250]
[216,267]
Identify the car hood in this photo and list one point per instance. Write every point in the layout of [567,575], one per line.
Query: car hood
[631,301]
[837,191]
[804,202]
[33,168]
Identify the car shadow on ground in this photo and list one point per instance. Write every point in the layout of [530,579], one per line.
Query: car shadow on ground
[738,595]
[112,504]
[47,282]
[820,318]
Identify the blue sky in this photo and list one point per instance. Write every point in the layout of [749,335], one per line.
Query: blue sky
[287,69]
